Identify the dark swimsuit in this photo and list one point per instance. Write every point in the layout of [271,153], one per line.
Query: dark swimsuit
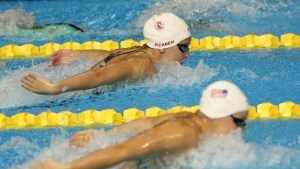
[58,24]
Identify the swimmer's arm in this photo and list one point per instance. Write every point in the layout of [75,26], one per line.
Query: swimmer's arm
[130,69]
[163,139]
[101,76]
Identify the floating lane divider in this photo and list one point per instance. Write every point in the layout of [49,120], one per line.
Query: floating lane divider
[230,42]
[263,111]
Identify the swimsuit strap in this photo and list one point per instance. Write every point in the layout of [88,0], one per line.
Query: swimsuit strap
[117,53]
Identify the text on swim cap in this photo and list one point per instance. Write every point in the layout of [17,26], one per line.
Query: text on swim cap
[163,44]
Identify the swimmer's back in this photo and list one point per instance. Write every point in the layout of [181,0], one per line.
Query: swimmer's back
[185,119]
[138,56]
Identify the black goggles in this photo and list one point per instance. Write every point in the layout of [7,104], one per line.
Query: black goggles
[238,122]
[183,47]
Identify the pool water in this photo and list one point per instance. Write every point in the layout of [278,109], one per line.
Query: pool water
[265,75]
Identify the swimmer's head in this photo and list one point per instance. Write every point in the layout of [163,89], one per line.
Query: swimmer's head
[165,30]
[221,99]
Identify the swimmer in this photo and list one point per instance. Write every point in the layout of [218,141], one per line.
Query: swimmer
[168,39]
[15,21]
[223,108]
[71,26]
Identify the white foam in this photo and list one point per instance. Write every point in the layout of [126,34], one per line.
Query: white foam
[214,152]
[60,150]
[215,10]
[245,73]
[12,94]
[177,75]
[13,19]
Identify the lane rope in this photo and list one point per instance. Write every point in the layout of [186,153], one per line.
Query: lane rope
[21,120]
[210,43]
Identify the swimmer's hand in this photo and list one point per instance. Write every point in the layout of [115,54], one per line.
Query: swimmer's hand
[80,139]
[49,164]
[39,85]
[62,57]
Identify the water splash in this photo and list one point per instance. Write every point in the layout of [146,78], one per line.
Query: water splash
[201,9]
[60,150]
[209,153]
[222,15]
[214,152]
[177,75]
[19,26]
[17,150]
[14,19]
[13,95]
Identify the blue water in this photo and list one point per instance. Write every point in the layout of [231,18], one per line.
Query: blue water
[264,75]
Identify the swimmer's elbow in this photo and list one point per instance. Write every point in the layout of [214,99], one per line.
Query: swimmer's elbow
[102,77]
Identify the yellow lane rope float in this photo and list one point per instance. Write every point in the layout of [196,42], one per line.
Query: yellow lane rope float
[230,42]
[263,111]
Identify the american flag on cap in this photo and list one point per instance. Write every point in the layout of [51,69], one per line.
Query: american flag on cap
[219,93]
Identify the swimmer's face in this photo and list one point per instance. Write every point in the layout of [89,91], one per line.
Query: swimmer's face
[179,52]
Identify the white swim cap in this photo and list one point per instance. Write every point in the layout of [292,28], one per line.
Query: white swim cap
[222,99]
[165,30]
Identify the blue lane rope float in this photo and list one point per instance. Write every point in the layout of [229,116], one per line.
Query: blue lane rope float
[229,42]
[21,120]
